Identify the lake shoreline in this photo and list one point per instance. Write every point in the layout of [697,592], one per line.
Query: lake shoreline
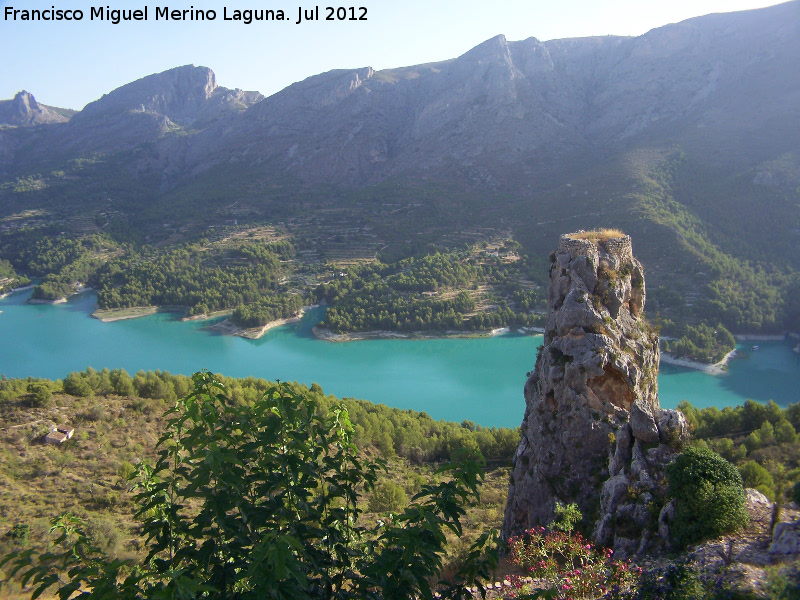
[228,327]
[717,368]
[754,337]
[475,379]
[109,315]
[38,301]
[328,336]
[15,290]
[63,300]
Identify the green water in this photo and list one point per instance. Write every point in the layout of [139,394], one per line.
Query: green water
[455,379]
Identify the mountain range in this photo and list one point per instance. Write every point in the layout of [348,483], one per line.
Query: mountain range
[687,137]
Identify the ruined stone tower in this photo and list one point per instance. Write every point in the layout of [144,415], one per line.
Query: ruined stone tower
[593,432]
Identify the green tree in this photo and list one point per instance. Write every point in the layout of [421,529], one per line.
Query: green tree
[753,475]
[784,432]
[753,441]
[708,494]
[262,501]
[757,477]
[40,393]
[77,385]
[766,433]
[122,383]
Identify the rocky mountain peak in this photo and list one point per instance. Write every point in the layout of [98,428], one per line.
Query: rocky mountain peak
[24,110]
[25,103]
[183,95]
[176,93]
[493,48]
[593,428]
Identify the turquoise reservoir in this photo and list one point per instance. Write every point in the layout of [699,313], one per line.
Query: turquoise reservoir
[477,379]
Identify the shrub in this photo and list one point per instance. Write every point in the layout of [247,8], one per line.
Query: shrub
[569,564]
[677,581]
[567,516]
[41,395]
[20,534]
[387,497]
[709,496]
[125,471]
[754,475]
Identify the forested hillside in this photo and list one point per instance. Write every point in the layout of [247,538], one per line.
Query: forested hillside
[656,135]
[118,418]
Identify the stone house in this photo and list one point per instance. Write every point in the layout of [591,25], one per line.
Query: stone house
[59,435]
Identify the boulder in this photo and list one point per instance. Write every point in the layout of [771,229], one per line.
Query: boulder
[785,539]
[643,424]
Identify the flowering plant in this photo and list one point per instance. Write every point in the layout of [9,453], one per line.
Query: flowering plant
[570,565]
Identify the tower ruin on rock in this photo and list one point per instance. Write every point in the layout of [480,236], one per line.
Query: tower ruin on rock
[593,431]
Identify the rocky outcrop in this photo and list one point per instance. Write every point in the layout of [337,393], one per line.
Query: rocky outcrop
[785,540]
[183,95]
[593,431]
[25,111]
[149,110]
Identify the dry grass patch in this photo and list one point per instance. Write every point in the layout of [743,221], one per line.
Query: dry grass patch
[598,236]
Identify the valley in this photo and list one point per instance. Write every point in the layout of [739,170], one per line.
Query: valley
[512,140]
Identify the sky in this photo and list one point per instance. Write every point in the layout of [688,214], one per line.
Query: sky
[71,63]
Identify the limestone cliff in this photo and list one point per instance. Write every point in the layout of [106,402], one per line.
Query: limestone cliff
[593,431]
[25,111]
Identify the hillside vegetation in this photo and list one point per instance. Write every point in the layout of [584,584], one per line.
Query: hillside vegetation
[701,269]
[260,276]
[118,420]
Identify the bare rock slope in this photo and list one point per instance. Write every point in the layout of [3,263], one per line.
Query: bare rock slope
[24,111]
[593,431]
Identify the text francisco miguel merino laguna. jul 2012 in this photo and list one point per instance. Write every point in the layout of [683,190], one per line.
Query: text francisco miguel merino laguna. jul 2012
[164,13]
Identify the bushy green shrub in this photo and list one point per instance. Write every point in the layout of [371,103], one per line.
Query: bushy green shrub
[567,516]
[387,497]
[39,393]
[709,496]
[754,475]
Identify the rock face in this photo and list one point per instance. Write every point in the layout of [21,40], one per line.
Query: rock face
[25,111]
[183,95]
[503,115]
[785,539]
[593,431]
